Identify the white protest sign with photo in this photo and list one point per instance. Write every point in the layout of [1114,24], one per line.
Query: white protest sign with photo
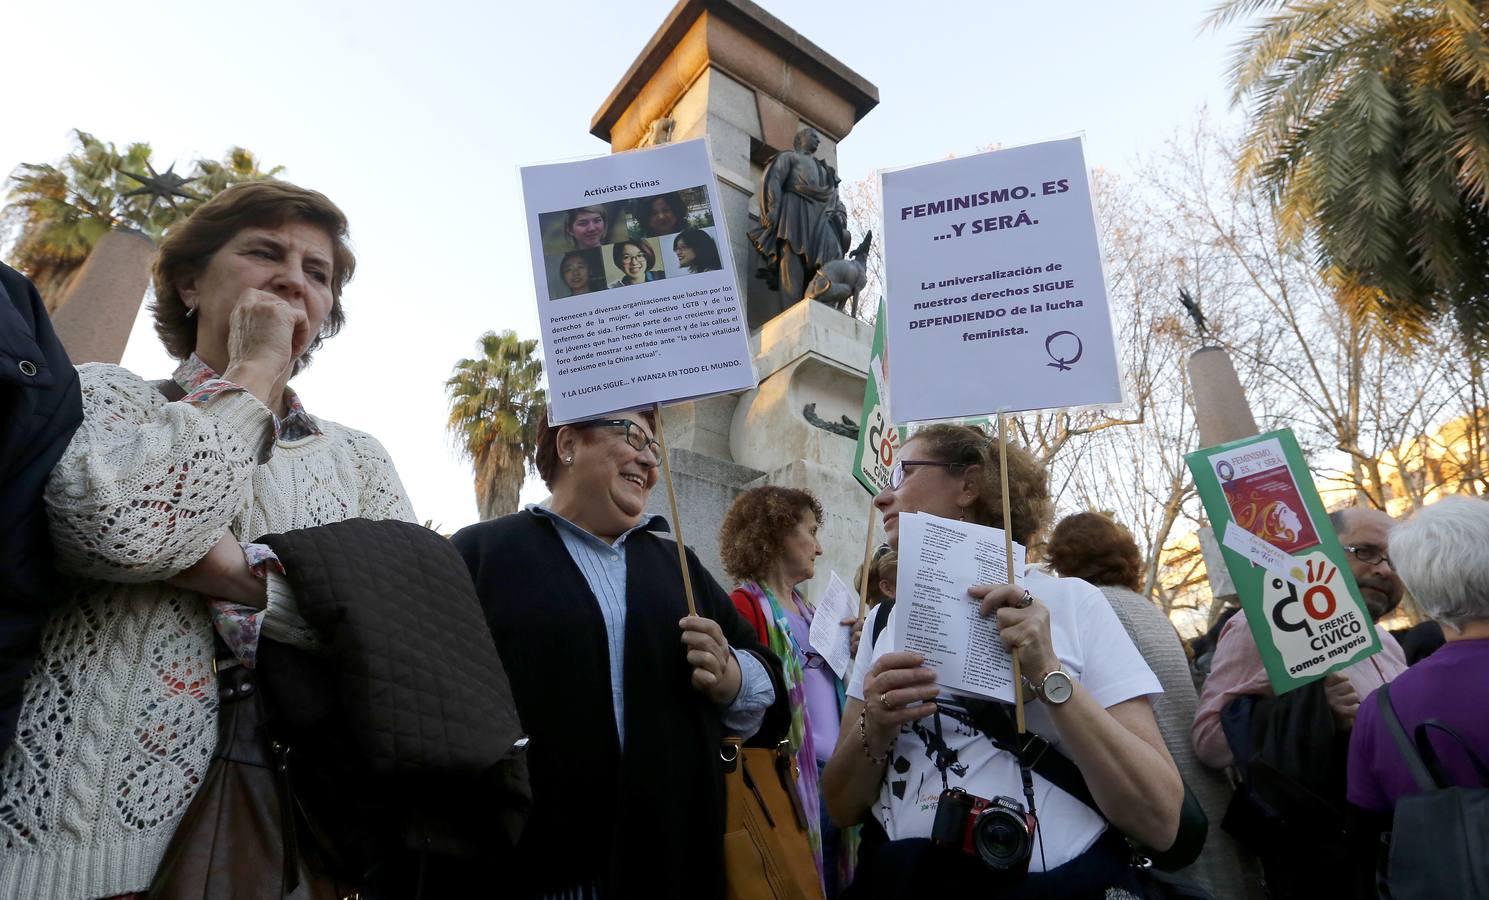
[993,274]
[936,617]
[636,294]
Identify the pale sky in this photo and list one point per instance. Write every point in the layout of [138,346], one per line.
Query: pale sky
[414,119]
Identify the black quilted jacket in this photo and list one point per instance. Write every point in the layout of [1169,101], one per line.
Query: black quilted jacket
[405,735]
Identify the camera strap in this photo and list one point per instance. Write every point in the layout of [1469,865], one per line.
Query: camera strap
[940,752]
[1032,751]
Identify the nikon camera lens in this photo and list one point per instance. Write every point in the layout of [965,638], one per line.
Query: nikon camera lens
[1002,839]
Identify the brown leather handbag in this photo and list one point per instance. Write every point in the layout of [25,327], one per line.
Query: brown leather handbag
[766,852]
[237,840]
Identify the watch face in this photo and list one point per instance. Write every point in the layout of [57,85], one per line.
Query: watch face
[1057,687]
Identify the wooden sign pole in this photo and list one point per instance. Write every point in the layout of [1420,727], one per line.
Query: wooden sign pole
[1018,674]
[868,552]
[682,550]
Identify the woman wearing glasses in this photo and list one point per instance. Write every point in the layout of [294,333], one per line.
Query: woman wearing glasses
[635,260]
[624,695]
[903,741]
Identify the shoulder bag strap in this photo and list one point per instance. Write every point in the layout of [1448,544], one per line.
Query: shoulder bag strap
[1434,764]
[1414,765]
[992,719]
[1038,754]
[169,389]
[881,618]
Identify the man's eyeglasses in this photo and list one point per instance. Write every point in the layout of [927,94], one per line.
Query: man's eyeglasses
[897,473]
[1370,556]
[634,435]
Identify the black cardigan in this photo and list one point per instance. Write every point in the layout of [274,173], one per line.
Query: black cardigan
[39,412]
[646,822]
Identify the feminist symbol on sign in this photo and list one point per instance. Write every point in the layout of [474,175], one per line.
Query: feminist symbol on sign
[1061,361]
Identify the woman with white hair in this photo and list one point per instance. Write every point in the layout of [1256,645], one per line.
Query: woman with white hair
[1442,554]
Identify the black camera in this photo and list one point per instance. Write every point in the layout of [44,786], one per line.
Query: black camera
[998,831]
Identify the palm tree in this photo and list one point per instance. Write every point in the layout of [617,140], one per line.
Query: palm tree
[495,404]
[1369,123]
[58,212]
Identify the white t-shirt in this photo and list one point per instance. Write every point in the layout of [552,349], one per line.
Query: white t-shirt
[1093,648]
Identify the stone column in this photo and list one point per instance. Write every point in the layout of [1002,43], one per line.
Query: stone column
[1220,407]
[96,315]
[1223,415]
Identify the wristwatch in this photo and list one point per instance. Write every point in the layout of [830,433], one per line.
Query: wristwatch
[1054,688]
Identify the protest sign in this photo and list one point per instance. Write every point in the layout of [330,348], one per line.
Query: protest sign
[1291,573]
[637,300]
[877,438]
[936,617]
[997,298]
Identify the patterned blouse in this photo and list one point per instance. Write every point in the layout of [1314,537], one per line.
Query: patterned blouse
[238,624]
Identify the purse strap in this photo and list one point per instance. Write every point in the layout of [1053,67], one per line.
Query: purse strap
[1414,764]
[1434,763]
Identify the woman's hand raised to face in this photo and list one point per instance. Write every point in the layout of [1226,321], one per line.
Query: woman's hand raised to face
[715,670]
[263,332]
[1024,627]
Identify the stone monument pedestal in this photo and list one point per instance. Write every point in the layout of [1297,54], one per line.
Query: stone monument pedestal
[730,70]
[809,357]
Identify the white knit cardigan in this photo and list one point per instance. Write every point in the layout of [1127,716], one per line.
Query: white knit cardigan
[119,718]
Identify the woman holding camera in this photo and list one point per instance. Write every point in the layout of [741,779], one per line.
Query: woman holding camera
[905,745]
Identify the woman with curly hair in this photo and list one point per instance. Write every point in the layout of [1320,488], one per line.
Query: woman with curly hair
[769,544]
[1092,547]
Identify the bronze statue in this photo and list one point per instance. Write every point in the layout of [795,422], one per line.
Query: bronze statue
[803,224]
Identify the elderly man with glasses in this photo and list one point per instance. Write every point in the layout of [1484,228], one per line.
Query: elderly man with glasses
[1279,745]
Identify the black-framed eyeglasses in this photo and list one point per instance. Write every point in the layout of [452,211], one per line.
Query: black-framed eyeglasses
[897,473]
[1370,556]
[634,435]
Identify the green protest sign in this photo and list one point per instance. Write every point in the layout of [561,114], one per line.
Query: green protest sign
[1289,569]
[878,441]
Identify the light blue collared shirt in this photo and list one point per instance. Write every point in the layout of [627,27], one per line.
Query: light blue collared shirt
[604,568]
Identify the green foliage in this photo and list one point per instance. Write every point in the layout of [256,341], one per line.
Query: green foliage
[56,213]
[1369,125]
[495,403]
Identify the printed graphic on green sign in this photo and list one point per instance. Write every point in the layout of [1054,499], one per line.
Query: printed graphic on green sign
[1291,573]
[878,441]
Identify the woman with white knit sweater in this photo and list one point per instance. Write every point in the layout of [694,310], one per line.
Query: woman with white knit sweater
[151,509]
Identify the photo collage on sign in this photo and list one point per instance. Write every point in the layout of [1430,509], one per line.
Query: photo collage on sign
[613,245]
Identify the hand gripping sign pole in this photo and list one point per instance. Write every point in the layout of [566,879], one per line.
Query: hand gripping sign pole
[682,550]
[598,350]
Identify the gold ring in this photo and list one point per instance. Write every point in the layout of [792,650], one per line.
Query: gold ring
[884,699]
